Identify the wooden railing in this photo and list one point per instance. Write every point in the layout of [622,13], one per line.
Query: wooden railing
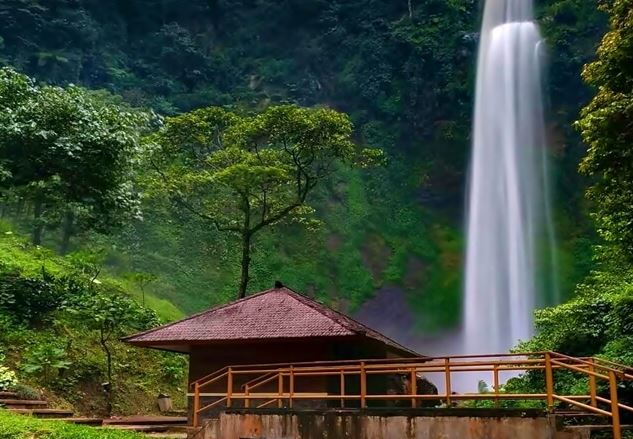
[263,385]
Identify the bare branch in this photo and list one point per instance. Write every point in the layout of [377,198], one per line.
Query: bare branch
[221,228]
[309,185]
[178,199]
[273,219]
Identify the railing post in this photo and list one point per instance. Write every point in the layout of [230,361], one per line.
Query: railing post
[549,381]
[496,383]
[342,392]
[414,388]
[615,409]
[291,389]
[229,387]
[447,370]
[592,384]
[280,388]
[196,404]
[247,399]
[363,386]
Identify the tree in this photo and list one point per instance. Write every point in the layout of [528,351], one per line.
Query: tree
[143,280]
[598,321]
[242,174]
[606,126]
[111,316]
[69,153]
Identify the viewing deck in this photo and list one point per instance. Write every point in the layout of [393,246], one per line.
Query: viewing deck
[359,385]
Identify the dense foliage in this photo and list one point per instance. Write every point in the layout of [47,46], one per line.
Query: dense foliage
[607,129]
[60,326]
[68,154]
[598,321]
[8,379]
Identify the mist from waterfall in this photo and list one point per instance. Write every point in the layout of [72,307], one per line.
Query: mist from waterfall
[509,225]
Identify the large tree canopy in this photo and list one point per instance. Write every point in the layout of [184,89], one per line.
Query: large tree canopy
[245,173]
[69,152]
[607,129]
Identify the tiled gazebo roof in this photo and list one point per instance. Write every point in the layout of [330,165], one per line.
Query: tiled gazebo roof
[275,314]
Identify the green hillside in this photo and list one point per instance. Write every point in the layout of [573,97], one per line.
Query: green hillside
[54,314]
[406,79]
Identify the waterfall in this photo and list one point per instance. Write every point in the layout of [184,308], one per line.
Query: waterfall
[508,215]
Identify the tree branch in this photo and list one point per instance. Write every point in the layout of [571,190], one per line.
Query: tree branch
[177,198]
[309,185]
[221,228]
[280,215]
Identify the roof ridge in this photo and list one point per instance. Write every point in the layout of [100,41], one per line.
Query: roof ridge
[198,314]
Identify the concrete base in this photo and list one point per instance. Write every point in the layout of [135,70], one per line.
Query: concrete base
[458,424]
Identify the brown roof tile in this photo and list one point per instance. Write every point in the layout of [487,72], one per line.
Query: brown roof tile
[278,313]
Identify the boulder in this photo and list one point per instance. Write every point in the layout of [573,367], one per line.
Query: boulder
[400,384]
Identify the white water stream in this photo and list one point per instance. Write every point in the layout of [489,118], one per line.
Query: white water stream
[508,217]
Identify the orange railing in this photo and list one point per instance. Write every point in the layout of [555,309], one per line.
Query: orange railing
[263,385]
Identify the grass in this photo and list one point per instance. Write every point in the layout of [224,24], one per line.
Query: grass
[16,253]
[25,427]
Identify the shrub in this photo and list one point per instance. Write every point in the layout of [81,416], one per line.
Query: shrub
[25,392]
[173,367]
[44,360]
[31,299]
[7,378]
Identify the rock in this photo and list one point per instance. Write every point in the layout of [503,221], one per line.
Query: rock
[400,384]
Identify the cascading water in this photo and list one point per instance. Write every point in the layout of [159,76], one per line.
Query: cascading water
[507,205]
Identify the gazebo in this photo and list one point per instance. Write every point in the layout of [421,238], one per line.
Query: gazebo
[274,326]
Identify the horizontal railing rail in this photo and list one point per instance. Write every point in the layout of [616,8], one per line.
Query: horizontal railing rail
[262,385]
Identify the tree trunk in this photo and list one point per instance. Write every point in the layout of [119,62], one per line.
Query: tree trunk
[410,8]
[67,232]
[38,209]
[246,262]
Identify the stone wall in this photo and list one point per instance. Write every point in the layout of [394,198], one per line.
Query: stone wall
[407,425]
